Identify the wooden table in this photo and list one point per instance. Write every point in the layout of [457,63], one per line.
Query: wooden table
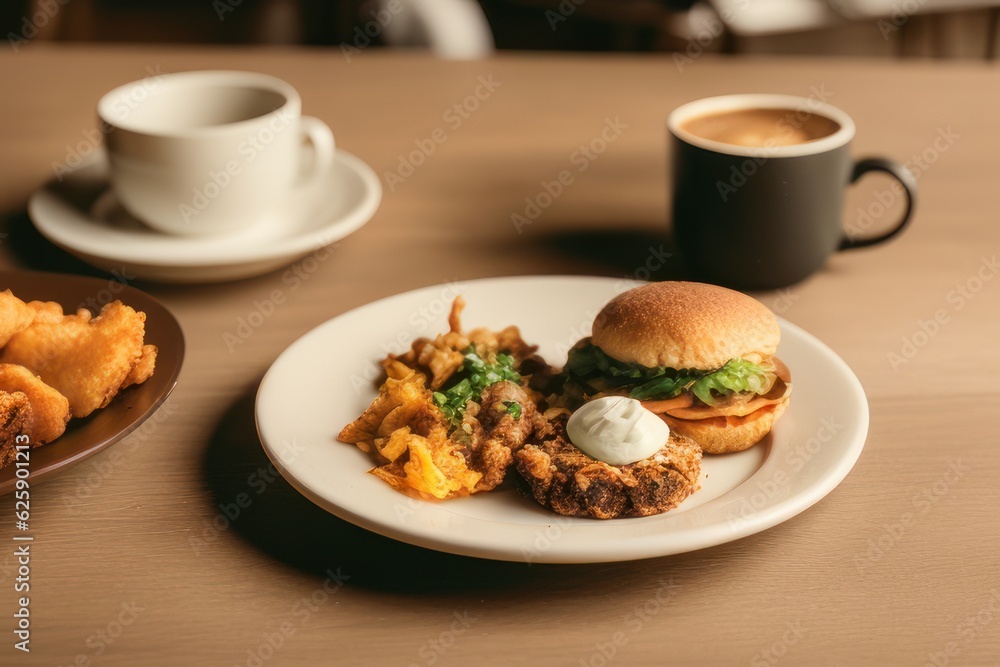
[130,567]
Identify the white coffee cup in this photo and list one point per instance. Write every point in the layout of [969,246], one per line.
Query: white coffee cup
[209,152]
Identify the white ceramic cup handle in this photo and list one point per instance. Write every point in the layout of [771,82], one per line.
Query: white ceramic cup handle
[317,133]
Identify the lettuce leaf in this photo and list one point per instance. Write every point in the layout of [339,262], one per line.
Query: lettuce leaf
[737,376]
[589,362]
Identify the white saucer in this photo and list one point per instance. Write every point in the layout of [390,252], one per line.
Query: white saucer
[82,215]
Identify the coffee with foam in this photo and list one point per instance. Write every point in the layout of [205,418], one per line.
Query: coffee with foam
[761,127]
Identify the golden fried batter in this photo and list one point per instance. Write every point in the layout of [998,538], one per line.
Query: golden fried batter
[87,360]
[144,368]
[15,316]
[51,312]
[15,416]
[49,408]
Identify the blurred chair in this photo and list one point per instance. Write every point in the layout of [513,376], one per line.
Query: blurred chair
[465,29]
[771,17]
[939,28]
[454,29]
[936,28]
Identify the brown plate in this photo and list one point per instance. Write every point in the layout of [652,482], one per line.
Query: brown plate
[105,427]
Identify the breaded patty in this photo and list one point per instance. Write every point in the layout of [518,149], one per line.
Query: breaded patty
[567,481]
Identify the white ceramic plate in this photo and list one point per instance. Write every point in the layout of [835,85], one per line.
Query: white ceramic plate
[81,214]
[324,380]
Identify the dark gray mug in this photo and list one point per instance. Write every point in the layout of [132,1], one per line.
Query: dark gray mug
[767,216]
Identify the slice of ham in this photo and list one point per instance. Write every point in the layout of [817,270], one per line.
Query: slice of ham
[736,408]
[683,406]
[666,405]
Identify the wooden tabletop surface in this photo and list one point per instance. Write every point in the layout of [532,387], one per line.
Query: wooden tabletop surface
[898,565]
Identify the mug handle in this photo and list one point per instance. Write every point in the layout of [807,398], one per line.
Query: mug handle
[318,135]
[905,178]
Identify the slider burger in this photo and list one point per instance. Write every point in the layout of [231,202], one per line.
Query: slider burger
[700,356]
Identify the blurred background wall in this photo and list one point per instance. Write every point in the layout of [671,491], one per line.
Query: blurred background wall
[471,28]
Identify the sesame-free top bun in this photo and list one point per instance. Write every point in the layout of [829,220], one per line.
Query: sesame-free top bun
[677,324]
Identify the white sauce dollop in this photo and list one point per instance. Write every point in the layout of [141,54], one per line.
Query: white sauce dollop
[617,430]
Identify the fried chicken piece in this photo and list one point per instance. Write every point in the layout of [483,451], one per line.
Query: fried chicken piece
[495,433]
[569,482]
[87,360]
[51,312]
[49,409]
[15,316]
[143,369]
[15,416]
